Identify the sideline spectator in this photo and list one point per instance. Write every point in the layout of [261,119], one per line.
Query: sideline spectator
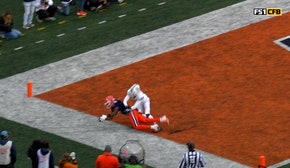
[8,151]
[29,9]
[192,157]
[81,11]
[119,1]
[107,159]
[133,162]
[65,10]
[73,2]
[45,156]
[32,153]
[6,27]
[45,10]
[68,161]
[95,5]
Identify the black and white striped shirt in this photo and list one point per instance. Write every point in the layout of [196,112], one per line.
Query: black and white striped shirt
[192,159]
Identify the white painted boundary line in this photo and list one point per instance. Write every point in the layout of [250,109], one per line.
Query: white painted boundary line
[81,28]
[59,35]
[143,9]
[162,3]
[120,16]
[18,48]
[102,22]
[40,41]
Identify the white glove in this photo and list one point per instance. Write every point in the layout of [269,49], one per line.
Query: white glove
[73,155]
[103,118]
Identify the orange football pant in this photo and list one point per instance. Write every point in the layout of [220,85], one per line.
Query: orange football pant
[136,118]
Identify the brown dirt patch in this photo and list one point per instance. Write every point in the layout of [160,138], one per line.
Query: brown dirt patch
[230,93]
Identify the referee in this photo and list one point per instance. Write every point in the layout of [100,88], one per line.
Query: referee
[192,158]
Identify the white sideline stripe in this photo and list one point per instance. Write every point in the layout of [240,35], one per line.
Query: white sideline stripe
[101,22]
[120,16]
[59,35]
[18,48]
[40,41]
[81,28]
[162,3]
[143,9]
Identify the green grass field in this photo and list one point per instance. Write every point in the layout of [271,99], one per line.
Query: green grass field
[95,35]
[23,135]
[73,42]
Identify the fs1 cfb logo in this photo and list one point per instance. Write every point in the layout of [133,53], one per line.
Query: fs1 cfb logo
[268,11]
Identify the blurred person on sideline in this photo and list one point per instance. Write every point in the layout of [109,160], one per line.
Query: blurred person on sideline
[117,106]
[68,160]
[8,151]
[45,10]
[65,9]
[6,27]
[32,153]
[107,159]
[192,158]
[133,163]
[81,6]
[29,9]
[45,156]
[95,5]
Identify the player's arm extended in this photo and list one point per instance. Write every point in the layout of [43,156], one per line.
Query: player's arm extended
[109,116]
[113,113]
[126,99]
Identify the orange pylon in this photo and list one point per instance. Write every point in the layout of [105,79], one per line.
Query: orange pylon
[29,89]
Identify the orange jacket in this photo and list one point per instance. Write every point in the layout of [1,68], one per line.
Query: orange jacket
[107,160]
[70,165]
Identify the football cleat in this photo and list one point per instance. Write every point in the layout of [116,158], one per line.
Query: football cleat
[164,119]
[155,127]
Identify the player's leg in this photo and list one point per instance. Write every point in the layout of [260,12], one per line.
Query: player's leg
[135,122]
[143,119]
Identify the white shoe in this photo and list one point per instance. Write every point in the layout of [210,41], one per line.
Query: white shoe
[26,27]
[31,25]
[38,20]
[120,1]
[164,119]
[50,18]
[155,127]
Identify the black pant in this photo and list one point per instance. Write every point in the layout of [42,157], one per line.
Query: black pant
[49,12]
[7,166]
